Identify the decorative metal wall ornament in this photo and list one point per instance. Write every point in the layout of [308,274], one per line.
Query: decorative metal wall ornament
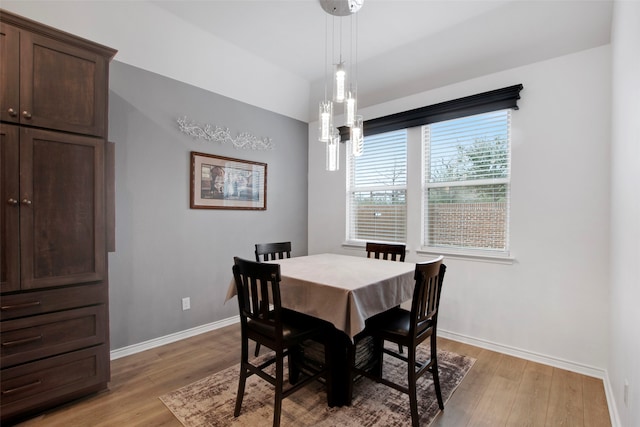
[213,133]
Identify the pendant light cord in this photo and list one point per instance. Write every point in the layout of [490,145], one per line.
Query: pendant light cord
[326,53]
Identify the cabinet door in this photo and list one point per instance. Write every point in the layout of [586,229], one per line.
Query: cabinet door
[9,209]
[62,86]
[9,73]
[61,209]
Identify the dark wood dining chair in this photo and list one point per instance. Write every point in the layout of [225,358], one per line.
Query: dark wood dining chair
[392,252]
[388,251]
[272,251]
[263,321]
[409,329]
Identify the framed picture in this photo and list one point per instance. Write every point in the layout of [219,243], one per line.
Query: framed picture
[225,183]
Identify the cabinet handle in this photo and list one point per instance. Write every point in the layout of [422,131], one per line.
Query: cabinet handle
[12,202]
[22,341]
[19,306]
[12,112]
[26,201]
[22,387]
[26,114]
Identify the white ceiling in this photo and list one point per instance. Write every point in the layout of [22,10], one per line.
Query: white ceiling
[405,47]
[271,53]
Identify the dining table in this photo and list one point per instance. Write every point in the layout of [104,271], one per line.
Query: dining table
[343,290]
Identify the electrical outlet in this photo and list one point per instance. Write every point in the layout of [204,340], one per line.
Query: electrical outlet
[626,393]
[186,303]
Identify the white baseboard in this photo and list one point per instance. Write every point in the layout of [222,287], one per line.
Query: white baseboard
[611,402]
[525,354]
[167,339]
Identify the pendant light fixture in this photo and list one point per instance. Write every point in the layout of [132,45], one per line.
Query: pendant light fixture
[344,81]
[326,120]
[357,137]
[333,151]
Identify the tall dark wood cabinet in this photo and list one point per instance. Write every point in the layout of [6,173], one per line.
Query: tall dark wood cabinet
[54,177]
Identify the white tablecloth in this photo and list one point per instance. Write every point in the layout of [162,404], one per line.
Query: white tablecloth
[341,289]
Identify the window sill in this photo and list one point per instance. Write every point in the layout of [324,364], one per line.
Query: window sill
[494,258]
[353,245]
[480,257]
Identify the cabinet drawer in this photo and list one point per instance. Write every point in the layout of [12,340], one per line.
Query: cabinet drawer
[30,303]
[45,383]
[36,337]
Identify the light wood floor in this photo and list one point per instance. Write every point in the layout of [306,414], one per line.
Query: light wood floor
[499,390]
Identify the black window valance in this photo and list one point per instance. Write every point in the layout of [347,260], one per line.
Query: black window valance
[493,100]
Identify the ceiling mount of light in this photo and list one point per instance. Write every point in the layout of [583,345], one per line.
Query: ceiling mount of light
[341,7]
[344,77]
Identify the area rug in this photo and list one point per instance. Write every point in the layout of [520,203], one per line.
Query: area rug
[210,401]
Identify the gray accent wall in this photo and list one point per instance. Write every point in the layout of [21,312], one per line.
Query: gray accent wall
[166,251]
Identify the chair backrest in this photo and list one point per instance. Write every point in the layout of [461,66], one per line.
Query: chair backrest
[258,289]
[273,251]
[392,252]
[426,295]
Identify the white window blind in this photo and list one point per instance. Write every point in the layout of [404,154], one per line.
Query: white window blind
[377,190]
[467,182]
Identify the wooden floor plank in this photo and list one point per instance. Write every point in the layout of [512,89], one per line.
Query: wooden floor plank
[596,413]
[495,405]
[530,406]
[566,404]
[458,411]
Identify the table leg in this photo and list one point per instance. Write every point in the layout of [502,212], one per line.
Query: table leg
[339,348]
[339,368]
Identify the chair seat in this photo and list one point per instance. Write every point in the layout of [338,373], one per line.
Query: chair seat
[294,327]
[395,321]
[394,325]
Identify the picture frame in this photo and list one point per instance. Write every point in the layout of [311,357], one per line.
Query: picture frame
[219,182]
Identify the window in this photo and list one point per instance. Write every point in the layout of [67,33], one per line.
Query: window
[377,189]
[464,191]
[466,172]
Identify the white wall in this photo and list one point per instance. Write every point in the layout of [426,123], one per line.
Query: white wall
[624,361]
[224,69]
[549,304]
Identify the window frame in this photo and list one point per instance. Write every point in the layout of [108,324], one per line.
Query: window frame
[351,189]
[480,253]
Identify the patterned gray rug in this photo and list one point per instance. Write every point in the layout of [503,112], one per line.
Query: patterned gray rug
[210,401]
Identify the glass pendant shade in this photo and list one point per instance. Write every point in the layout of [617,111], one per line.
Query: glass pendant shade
[344,87]
[325,121]
[350,108]
[339,83]
[357,137]
[333,151]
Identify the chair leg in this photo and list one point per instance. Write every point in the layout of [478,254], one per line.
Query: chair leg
[411,379]
[277,405]
[244,358]
[434,371]
[436,383]
[400,348]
